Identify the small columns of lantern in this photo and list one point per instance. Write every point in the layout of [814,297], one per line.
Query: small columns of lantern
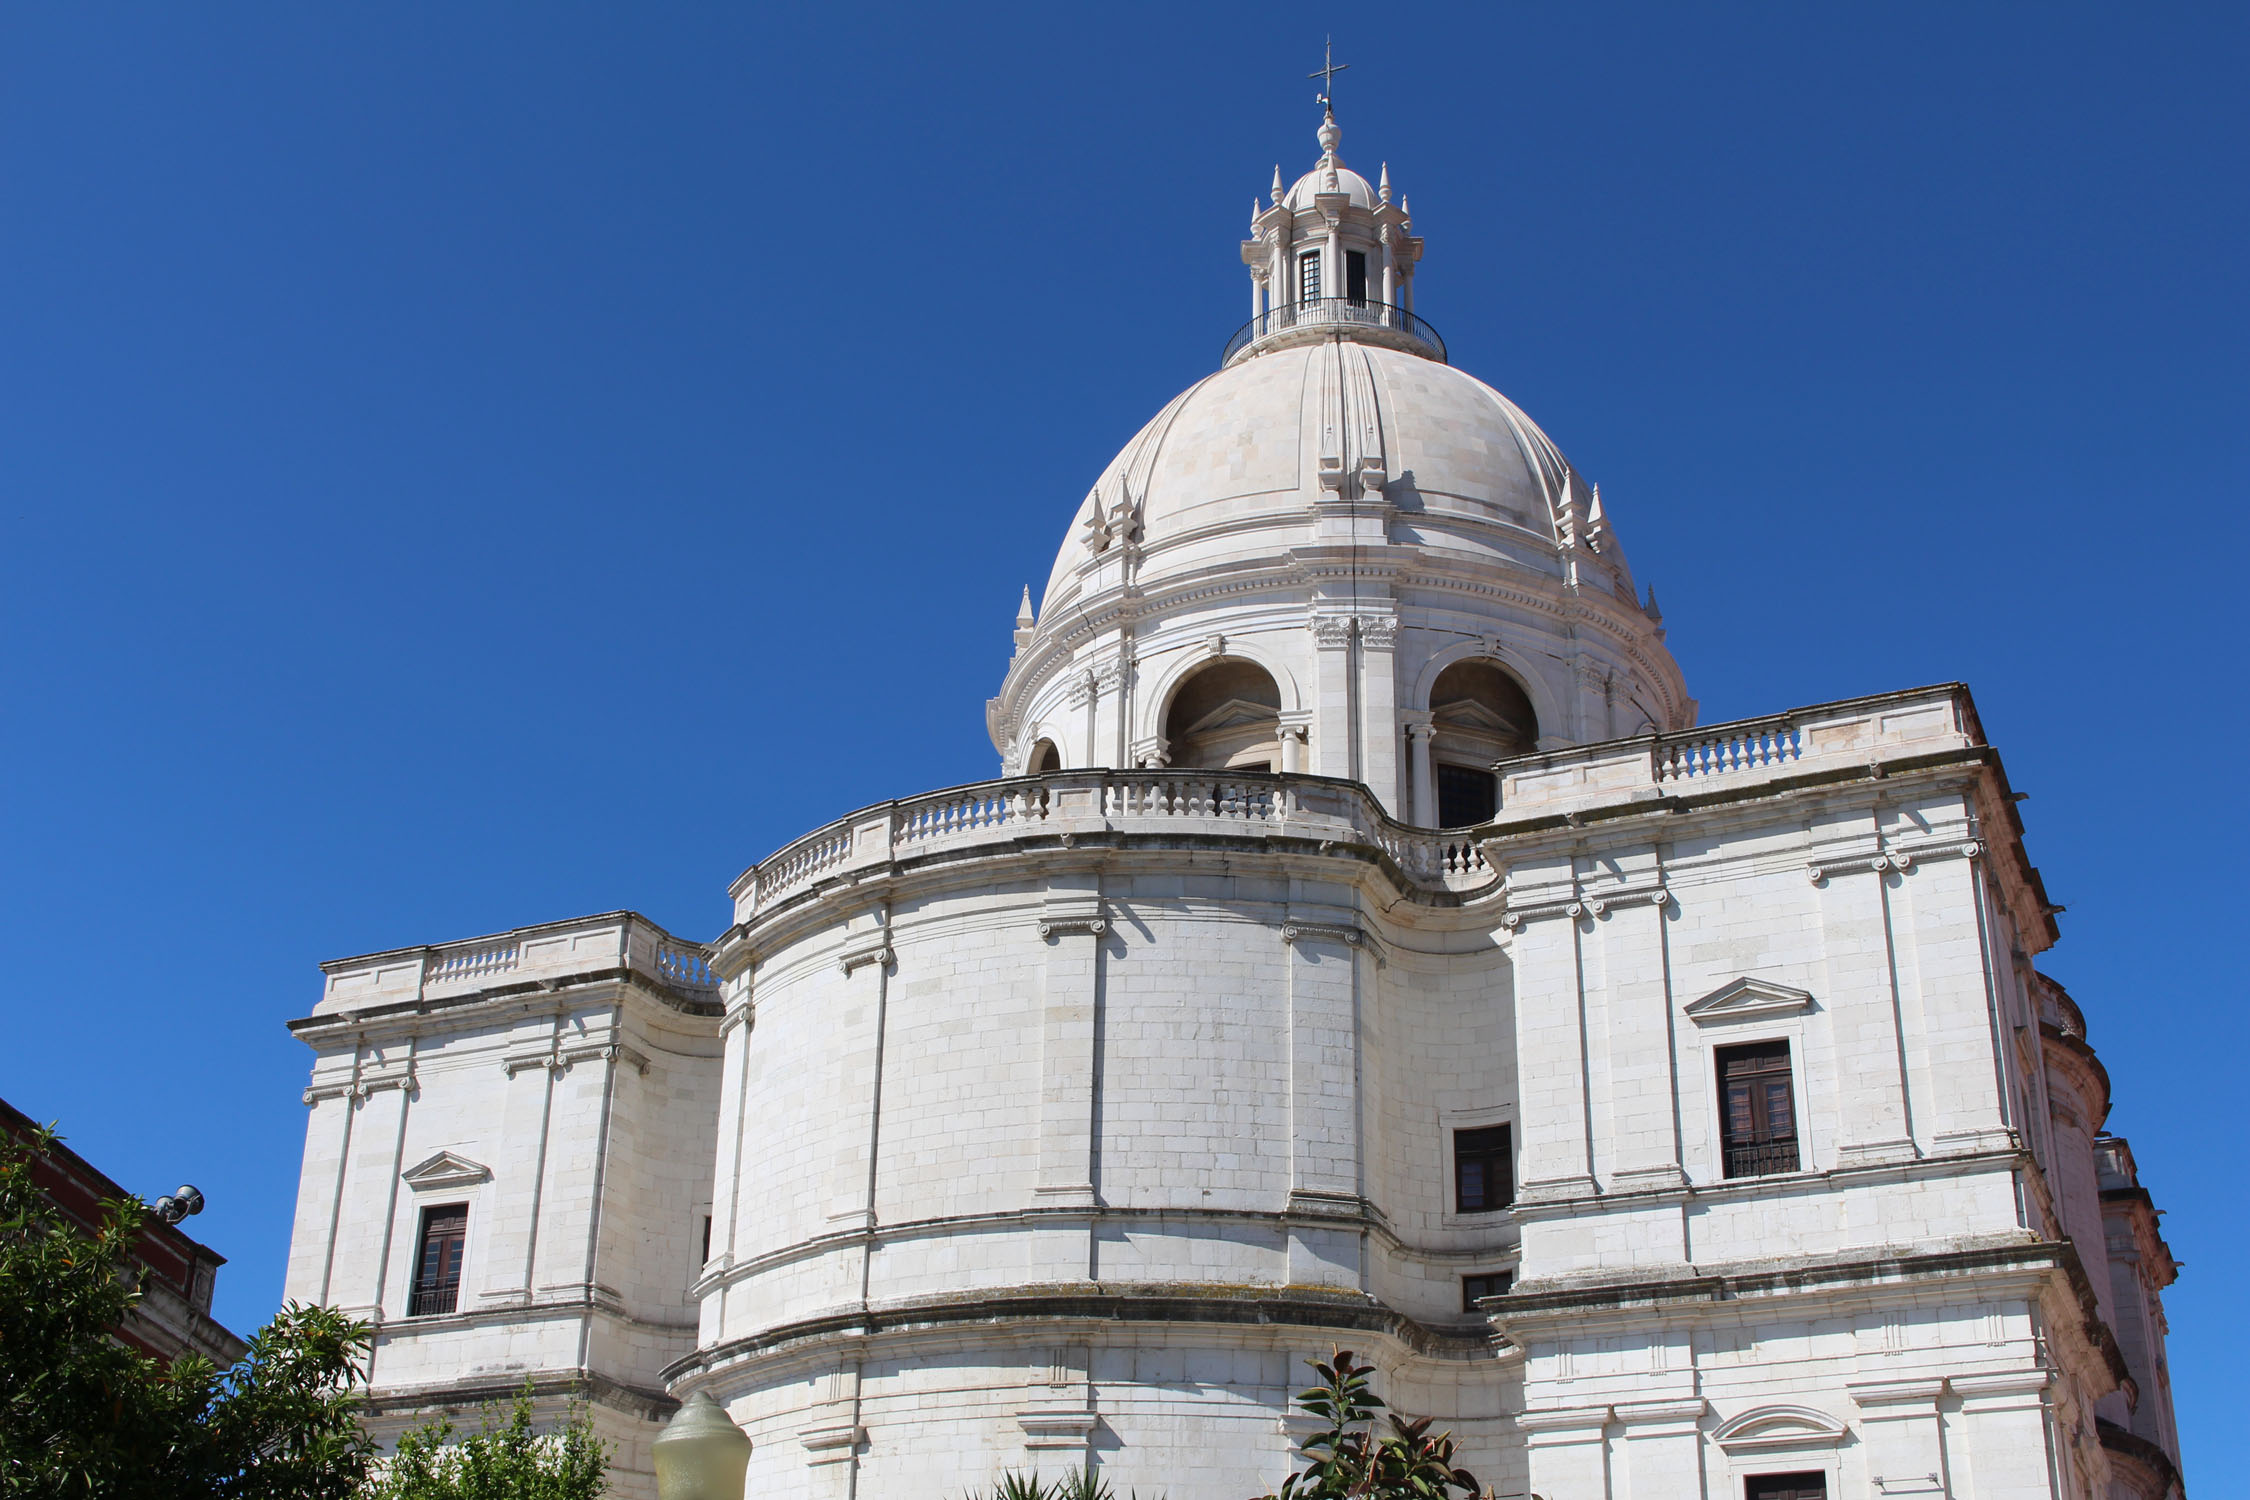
[1332,224]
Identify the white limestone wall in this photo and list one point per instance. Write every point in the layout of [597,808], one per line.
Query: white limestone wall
[576,1124]
[1884,995]
[1156,1080]
[1889,1314]
[1441,1058]
[1931,1396]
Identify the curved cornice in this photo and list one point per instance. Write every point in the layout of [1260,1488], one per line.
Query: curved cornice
[1177,1303]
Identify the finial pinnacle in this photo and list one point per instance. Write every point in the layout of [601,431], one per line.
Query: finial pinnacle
[1384,191]
[1277,184]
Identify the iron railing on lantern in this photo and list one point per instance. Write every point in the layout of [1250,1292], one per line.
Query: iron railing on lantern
[1318,315]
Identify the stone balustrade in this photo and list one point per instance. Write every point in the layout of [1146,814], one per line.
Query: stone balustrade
[1075,804]
[555,950]
[1079,803]
[1834,736]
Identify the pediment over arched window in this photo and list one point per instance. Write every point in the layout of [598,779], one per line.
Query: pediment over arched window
[1779,1427]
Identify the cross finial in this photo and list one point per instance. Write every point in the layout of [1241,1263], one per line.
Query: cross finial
[1326,73]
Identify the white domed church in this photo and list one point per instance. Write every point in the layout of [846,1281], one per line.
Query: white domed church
[1362,945]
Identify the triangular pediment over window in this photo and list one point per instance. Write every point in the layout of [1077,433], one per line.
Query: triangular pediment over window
[1468,714]
[1779,1427]
[1233,713]
[446,1170]
[1738,999]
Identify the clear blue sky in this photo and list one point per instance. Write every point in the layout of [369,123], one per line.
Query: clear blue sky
[462,466]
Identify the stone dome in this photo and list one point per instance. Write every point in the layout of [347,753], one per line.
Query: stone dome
[1233,466]
[1337,554]
[1314,183]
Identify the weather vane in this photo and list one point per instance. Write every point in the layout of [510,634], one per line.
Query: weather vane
[1326,73]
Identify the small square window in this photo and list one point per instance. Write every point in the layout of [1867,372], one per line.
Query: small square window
[1484,1170]
[1484,1284]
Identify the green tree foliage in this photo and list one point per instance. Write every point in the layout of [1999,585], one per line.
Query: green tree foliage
[1075,1484]
[507,1460]
[1346,1458]
[83,1415]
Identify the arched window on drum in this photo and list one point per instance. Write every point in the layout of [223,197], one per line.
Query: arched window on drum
[1478,714]
[1224,716]
[1044,757]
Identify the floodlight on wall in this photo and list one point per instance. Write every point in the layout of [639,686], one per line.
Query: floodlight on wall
[173,1207]
[701,1454]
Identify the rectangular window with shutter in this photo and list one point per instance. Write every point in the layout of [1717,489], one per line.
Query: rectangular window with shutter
[1806,1486]
[1484,1170]
[437,1265]
[1355,275]
[1308,276]
[1757,1110]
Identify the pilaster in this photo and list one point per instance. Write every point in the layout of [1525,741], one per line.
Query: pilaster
[1568,1451]
[1661,1451]
[1324,1091]
[1378,698]
[1555,1157]
[1335,745]
[1872,1118]
[1899,1423]
[1073,924]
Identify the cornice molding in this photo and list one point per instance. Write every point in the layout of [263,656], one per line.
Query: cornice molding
[1587,904]
[1902,859]
[365,1084]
